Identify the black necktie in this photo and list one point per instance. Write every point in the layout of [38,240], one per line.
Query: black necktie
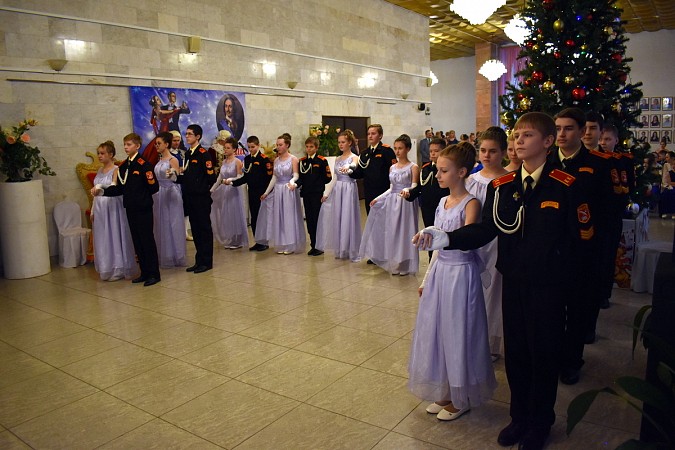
[565,162]
[528,188]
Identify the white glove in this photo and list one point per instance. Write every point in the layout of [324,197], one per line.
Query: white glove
[432,238]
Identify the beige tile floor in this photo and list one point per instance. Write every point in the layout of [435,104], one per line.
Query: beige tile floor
[264,351]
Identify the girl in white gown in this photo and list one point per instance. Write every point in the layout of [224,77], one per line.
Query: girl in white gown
[492,151]
[450,357]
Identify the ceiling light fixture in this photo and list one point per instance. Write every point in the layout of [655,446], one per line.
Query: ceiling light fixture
[517,30]
[492,69]
[476,12]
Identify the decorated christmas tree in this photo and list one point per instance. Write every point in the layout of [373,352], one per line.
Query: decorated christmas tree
[576,56]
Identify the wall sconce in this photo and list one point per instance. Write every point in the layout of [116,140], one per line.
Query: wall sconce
[404,96]
[194,44]
[57,64]
[291,84]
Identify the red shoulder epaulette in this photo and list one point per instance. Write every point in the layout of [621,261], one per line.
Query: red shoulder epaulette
[202,150]
[616,155]
[627,155]
[385,145]
[426,164]
[303,158]
[140,161]
[564,177]
[262,155]
[509,177]
[321,157]
[600,154]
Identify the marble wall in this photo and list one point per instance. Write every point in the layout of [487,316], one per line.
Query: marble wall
[331,49]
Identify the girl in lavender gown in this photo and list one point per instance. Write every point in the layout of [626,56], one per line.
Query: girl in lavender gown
[280,223]
[450,357]
[169,227]
[393,220]
[114,256]
[339,226]
[227,212]
[493,145]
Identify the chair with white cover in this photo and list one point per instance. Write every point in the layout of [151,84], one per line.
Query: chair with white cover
[73,238]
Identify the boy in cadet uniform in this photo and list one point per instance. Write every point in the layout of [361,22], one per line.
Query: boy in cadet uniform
[136,183]
[428,190]
[313,177]
[196,177]
[542,226]
[257,173]
[592,170]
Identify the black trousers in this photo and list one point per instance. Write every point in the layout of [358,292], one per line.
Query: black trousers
[199,211]
[312,203]
[141,227]
[254,205]
[534,317]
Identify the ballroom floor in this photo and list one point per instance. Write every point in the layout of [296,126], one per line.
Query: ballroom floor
[265,351]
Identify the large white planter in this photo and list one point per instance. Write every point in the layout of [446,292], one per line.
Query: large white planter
[23,230]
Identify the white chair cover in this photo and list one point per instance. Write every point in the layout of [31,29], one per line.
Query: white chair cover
[73,239]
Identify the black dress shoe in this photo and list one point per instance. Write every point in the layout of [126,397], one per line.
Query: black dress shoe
[139,279]
[311,252]
[534,439]
[512,434]
[370,261]
[605,304]
[317,253]
[262,248]
[201,269]
[569,376]
[150,281]
[192,268]
[254,248]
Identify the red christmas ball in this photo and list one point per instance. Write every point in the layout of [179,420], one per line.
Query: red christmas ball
[529,45]
[527,82]
[538,76]
[598,89]
[569,43]
[548,4]
[520,96]
[578,93]
[557,55]
[589,17]
[617,57]
[622,76]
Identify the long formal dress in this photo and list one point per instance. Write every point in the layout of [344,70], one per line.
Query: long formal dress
[391,224]
[450,356]
[280,222]
[114,256]
[339,226]
[169,225]
[227,212]
[477,185]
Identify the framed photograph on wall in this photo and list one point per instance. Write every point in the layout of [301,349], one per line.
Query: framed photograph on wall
[644,120]
[644,103]
[640,135]
[655,121]
[666,135]
[655,104]
[667,103]
[667,121]
[654,136]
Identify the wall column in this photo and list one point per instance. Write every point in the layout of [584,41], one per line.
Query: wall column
[486,91]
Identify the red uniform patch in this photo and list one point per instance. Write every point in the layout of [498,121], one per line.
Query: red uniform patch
[564,177]
[140,161]
[583,213]
[209,164]
[601,154]
[504,179]
[149,175]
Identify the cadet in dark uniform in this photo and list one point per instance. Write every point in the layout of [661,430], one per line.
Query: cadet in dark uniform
[257,173]
[373,165]
[197,175]
[541,224]
[592,171]
[136,183]
[429,192]
[313,177]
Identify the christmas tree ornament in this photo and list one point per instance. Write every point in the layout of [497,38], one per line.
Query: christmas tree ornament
[535,47]
[520,96]
[548,85]
[538,76]
[622,76]
[548,4]
[569,43]
[505,118]
[602,73]
[617,57]
[558,25]
[525,104]
[583,48]
[527,82]
[569,79]
[616,107]
[540,37]
[557,55]
[578,93]
[609,30]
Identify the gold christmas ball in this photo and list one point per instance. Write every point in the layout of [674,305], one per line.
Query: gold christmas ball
[505,118]
[609,30]
[548,85]
[626,143]
[540,37]
[602,73]
[525,103]
[584,47]
[569,80]
[558,25]
[616,107]
[535,47]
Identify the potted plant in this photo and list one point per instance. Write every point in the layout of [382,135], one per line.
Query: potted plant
[19,160]
[23,224]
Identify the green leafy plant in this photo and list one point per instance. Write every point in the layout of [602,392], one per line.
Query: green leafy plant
[327,136]
[637,392]
[19,160]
